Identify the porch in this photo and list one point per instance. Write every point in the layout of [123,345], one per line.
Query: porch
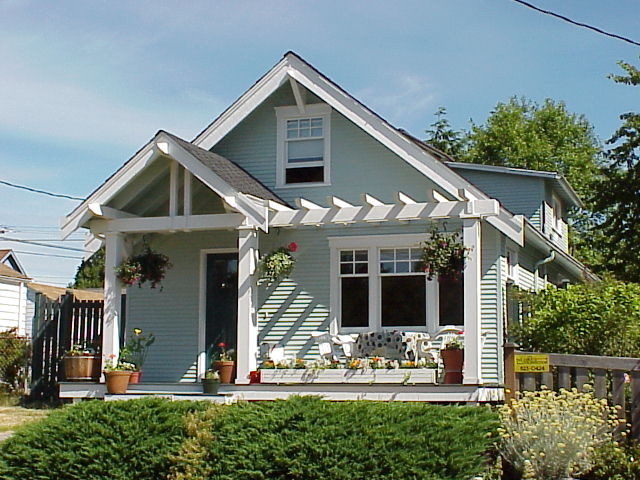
[77,391]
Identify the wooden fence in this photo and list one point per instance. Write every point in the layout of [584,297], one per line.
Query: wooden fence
[60,324]
[615,378]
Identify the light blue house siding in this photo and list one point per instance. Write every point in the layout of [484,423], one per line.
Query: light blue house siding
[521,195]
[172,313]
[358,162]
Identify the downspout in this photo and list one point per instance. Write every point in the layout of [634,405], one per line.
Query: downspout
[537,266]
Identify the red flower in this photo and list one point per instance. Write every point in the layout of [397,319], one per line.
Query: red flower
[460,332]
[292,247]
[221,345]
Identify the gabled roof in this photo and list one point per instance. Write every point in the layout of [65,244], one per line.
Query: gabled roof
[8,272]
[221,175]
[230,172]
[8,257]
[559,183]
[426,161]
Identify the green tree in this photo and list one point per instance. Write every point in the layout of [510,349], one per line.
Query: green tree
[90,273]
[443,136]
[521,133]
[618,193]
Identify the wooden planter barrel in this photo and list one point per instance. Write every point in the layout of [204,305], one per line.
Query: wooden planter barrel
[81,367]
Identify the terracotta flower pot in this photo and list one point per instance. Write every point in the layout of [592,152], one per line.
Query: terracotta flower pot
[226,370]
[210,386]
[135,377]
[453,361]
[117,382]
[81,367]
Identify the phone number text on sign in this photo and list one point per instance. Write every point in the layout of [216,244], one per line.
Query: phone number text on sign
[538,363]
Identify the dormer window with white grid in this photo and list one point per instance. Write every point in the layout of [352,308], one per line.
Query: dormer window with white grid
[303,145]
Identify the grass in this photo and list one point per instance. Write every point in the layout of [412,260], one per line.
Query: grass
[13,417]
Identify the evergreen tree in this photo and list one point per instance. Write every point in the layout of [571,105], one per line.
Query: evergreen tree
[443,137]
[90,273]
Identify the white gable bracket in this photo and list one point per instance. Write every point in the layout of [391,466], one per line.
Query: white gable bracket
[298,94]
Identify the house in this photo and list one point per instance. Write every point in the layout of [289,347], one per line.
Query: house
[9,258]
[298,159]
[13,299]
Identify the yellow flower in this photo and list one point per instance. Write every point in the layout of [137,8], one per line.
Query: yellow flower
[137,331]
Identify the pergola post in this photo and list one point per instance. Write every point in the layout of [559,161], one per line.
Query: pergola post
[472,374]
[114,253]
[247,345]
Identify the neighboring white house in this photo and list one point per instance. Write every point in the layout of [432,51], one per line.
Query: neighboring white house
[13,301]
[9,258]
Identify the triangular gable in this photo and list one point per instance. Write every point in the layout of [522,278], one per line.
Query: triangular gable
[235,186]
[293,67]
[9,258]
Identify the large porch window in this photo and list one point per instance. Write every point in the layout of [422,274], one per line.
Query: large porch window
[377,283]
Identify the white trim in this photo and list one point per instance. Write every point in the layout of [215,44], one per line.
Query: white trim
[202,307]
[219,221]
[471,235]
[299,94]
[247,338]
[283,114]
[174,174]
[512,265]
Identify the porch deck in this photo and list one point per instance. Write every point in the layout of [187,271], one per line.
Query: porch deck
[265,392]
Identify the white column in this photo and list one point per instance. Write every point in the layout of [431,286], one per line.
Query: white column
[247,348]
[472,326]
[114,246]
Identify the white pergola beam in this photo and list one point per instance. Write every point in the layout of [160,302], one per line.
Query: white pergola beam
[435,196]
[371,200]
[304,204]
[404,198]
[223,221]
[187,192]
[381,213]
[338,202]
[278,207]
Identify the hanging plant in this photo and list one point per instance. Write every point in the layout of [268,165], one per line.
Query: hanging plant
[148,266]
[278,264]
[443,255]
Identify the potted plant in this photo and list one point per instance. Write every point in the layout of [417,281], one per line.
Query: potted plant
[135,352]
[81,363]
[211,382]
[148,266]
[278,264]
[453,360]
[117,373]
[224,363]
[443,255]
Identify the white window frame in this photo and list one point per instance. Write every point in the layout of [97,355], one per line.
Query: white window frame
[373,244]
[283,114]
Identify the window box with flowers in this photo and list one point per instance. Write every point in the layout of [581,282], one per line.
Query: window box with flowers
[278,264]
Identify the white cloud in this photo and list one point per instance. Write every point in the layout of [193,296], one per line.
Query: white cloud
[400,98]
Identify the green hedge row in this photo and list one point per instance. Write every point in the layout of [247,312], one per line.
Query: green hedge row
[97,441]
[307,438]
[302,438]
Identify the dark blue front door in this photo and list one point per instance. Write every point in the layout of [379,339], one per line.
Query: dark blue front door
[222,300]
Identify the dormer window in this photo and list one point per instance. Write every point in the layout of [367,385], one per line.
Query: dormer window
[303,145]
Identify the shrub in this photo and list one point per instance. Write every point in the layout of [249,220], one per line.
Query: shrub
[307,438]
[589,319]
[615,462]
[554,435]
[98,440]
[14,360]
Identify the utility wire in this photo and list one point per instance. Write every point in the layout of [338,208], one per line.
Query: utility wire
[579,24]
[29,242]
[35,190]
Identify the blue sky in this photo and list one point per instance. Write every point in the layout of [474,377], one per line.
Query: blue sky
[84,84]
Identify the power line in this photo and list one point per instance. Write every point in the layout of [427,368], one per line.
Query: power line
[579,24]
[35,190]
[40,244]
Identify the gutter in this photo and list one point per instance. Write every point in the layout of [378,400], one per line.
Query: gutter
[538,264]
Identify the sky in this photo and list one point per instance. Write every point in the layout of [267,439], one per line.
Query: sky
[83,85]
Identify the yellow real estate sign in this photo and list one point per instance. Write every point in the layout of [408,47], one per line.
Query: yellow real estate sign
[534,363]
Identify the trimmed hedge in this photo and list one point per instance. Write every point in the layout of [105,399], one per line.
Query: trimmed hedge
[307,438]
[302,438]
[98,441]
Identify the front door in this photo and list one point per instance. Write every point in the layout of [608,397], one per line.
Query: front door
[221,301]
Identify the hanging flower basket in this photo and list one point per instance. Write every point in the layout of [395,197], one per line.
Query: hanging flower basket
[278,264]
[443,255]
[148,266]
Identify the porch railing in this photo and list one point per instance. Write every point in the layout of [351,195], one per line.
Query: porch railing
[615,378]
